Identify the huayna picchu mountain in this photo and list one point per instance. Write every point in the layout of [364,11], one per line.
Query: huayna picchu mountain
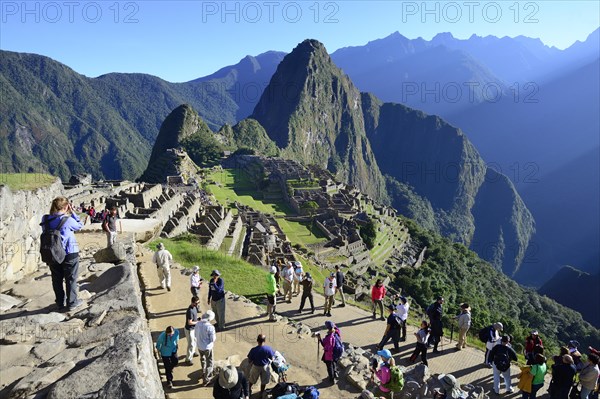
[316,115]
[313,113]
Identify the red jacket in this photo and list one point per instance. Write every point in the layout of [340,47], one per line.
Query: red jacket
[377,293]
[531,342]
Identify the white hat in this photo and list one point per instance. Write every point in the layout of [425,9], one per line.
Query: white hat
[209,315]
[228,377]
[195,269]
[273,270]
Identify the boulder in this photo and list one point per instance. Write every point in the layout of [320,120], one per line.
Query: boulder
[113,254]
[357,380]
[8,302]
[38,379]
[47,350]
[99,267]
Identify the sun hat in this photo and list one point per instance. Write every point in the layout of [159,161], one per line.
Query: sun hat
[215,273]
[450,385]
[228,377]
[390,307]
[273,270]
[160,245]
[209,315]
[195,269]
[329,324]
[403,299]
[385,353]
[534,332]
[499,326]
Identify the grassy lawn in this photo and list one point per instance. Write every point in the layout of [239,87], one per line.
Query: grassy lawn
[229,186]
[240,277]
[26,181]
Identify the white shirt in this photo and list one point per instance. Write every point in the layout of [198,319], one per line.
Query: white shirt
[195,280]
[162,258]
[329,286]
[402,311]
[288,273]
[205,335]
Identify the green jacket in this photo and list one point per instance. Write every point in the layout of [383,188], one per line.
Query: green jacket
[271,284]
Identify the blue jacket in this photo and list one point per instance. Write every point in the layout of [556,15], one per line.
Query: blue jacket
[167,345]
[67,231]
[216,290]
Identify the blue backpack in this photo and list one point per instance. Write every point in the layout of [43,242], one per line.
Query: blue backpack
[311,393]
[338,349]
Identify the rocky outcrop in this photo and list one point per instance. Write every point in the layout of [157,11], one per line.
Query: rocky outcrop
[104,350]
[20,215]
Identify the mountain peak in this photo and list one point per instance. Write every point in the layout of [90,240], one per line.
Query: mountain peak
[442,37]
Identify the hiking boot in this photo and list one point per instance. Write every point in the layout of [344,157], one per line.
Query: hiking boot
[382,318]
[170,384]
[312,311]
[328,314]
[343,305]
[510,390]
[169,289]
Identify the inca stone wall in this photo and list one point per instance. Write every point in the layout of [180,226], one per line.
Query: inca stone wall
[20,215]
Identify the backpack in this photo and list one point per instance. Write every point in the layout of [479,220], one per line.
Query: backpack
[484,334]
[338,348]
[51,246]
[501,361]
[285,388]
[311,393]
[396,382]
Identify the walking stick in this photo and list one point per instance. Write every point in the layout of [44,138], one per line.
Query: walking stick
[318,348]
[451,331]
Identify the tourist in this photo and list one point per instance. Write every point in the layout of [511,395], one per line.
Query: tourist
[588,376]
[216,298]
[382,373]
[205,338]
[435,312]
[501,356]
[191,318]
[166,344]
[464,323]
[422,337]
[328,343]
[377,294]
[531,341]
[329,288]
[298,273]
[538,371]
[402,312]
[260,358]
[271,293]
[279,266]
[563,375]
[287,275]
[575,354]
[109,225]
[62,217]
[450,388]
[92,212]
[339,279]
[392,330]
[195,281]
[231,384]
[162,258]
[307,286]
[493,339]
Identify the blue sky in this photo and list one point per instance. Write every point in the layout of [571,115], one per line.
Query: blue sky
[183,40]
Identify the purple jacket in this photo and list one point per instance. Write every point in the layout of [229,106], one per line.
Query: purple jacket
[328,344]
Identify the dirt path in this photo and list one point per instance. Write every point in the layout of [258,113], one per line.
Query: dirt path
[244,323]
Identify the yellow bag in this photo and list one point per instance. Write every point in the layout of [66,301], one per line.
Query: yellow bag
[525,379]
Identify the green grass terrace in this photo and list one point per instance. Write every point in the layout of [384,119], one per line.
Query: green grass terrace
[26,181]
[229,186]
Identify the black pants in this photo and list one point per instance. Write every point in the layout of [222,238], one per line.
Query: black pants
[403,330]
[422,349]
[394,335]
[331,369]
[308,295]
[169,366]
[67,272]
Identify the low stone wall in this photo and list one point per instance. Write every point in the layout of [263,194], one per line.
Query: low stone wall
[20,215]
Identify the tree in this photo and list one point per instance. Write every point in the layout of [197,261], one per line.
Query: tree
[311,208]
[368,233]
